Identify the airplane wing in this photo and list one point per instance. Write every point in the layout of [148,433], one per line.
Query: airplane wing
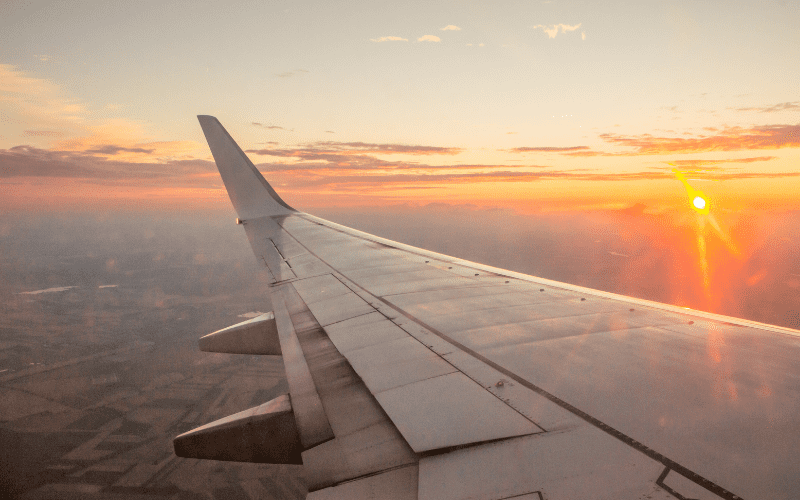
[414,375]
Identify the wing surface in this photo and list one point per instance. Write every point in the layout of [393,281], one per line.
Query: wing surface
[438,378]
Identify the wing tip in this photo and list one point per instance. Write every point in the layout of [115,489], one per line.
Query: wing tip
[240,175]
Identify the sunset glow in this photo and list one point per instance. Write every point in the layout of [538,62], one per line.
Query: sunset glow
[450,107]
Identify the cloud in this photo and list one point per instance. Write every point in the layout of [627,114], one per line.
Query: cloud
[547,149]
[389,39]
[450,27]
[326,148]
[357,173]
[388,181]
[476,45]
[696,164]
[729,139]
[42,133]
[553,30]
[287,74]
[350,170]
[784,106]
[353,167]
[429,38]
[350,155]
[27,99]
[67,124]
[127,141]
[113,150]
[28,161]
[347,179]
[271,127]
[583,35]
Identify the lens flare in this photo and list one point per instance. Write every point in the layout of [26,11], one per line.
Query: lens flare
[699,201]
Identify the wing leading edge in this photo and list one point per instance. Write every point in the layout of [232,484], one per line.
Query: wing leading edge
[417,375]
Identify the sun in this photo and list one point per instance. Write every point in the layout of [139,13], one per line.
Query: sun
[699,202]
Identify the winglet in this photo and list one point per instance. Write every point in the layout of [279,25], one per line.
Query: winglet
[250,193]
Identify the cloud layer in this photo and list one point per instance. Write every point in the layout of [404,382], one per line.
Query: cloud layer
[729,139]
[783,106]
[389,39]
[548,149]
[27,161]
[358,165]
[555,29]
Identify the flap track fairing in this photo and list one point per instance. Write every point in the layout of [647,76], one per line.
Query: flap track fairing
[266,434]
[254,336]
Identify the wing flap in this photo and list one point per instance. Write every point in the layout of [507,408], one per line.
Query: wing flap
[312,422]
[366,442]
[451,410]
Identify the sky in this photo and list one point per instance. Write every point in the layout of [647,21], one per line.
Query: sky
[529,106]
